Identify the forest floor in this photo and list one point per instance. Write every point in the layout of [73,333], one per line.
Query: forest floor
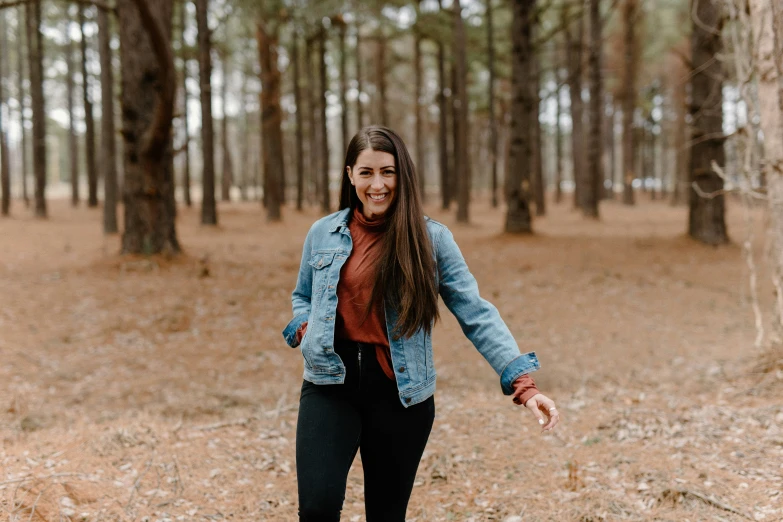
[155,390]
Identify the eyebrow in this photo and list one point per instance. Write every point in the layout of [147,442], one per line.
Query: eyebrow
[363,167]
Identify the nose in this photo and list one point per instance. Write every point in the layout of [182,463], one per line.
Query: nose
[377,182]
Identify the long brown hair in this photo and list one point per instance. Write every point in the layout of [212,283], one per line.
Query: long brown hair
[405,272]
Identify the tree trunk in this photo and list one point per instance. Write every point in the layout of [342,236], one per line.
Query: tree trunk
[35,56]
[706,217]
[244,164]
[537,160]
[299,124]
[443,136]
[420,162]
[558,144]
[325,206]
[359,83]
[629,98]
[20,61]
[574,60]
[607,191]
[227,179]
[591,193]
[316,161]
[767,20]
[148,97]
[108,149]
[73,146]
[453,138]
[519,217]
[186,131]
[89,121]
[380,75]
[5,163]
[343,87]
[679,101]
[208,205]
[271,117]
[493,126]
[461,121]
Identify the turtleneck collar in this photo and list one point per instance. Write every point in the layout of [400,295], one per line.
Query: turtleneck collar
[373,225]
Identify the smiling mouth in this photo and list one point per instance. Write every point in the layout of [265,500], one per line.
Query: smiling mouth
[377,197]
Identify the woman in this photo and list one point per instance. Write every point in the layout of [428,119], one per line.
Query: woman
[365,302]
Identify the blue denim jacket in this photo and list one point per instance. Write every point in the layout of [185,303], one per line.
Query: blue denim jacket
[327,246]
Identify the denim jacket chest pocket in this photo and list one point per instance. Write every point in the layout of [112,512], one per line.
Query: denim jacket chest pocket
[322,264]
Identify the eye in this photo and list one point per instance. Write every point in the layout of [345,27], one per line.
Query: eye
[389,173]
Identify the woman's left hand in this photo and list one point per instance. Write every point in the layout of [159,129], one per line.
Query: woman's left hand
[544,410]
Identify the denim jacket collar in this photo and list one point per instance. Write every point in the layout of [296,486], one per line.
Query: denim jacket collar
[340,220]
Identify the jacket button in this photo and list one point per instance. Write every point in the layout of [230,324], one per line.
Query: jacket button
[408,400]
[401,369]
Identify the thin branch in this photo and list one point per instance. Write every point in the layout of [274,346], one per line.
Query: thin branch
[707,500]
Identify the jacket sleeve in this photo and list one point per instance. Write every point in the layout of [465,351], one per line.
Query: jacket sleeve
[479,319]
[300,299]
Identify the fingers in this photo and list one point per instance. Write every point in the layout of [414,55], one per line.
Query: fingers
[545,411]
[533,405]
[548,405]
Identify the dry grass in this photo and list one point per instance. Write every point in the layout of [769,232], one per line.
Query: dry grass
[161,390]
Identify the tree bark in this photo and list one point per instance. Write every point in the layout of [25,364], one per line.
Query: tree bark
[20,61]
[574,60]
[558,144]
[343,86]
[610,151]
[316,161]
[591,193]
[73,146]
[680,140]
[244,163]
[461,123]
[537,163]
[227,179]
[767,20]
[380,74]
[443,136]
[35,57]
[208,205]
[89,121]
[108,147]
[5,163]
[359,83]
[299,123]
[186,131]
[420,162]
[518,217]
[493,126]
[324,138]
[148,97]
[629,98]
[267,38]
[706,220]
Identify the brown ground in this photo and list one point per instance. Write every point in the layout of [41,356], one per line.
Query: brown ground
[142,390]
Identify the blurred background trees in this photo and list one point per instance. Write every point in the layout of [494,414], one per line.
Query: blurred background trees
[517,102]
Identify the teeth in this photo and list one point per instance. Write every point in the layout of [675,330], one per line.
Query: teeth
[377,197]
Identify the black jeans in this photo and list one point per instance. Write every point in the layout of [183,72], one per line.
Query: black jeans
[362,414]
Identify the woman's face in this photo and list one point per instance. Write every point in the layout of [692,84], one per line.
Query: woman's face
[375,177]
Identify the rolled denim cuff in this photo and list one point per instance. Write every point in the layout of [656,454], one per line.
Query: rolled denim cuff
[289,333]
[525,363]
